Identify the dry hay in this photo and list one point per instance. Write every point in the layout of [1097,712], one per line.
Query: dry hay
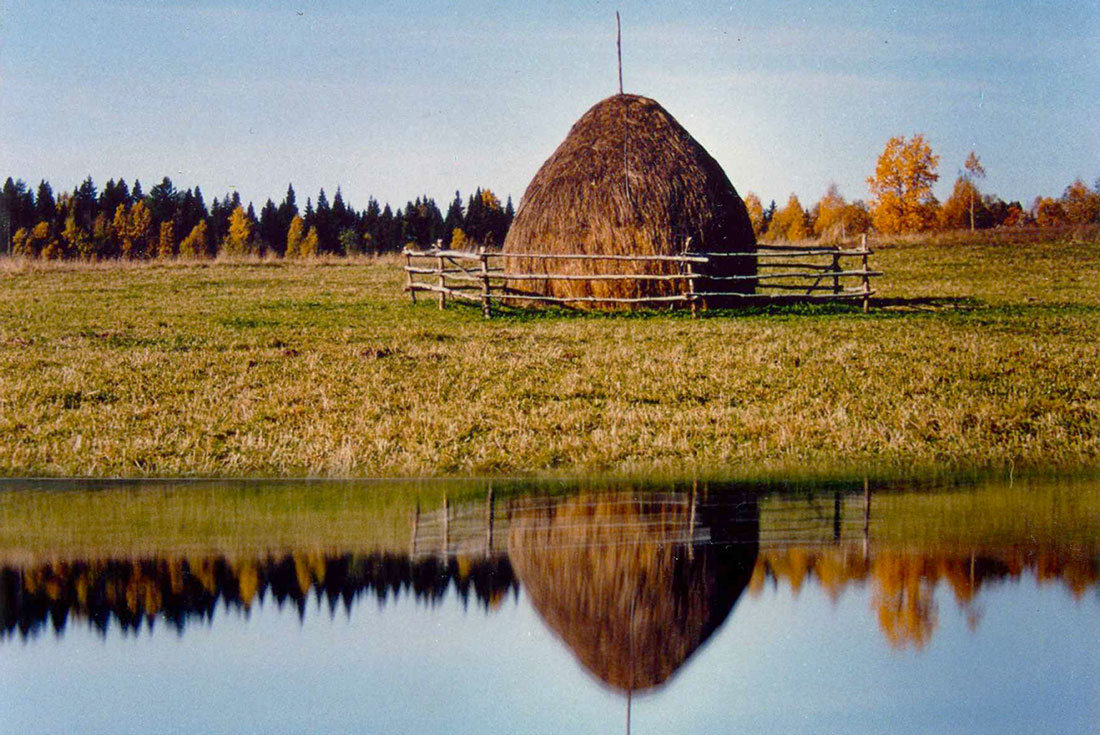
[629,180]
[611,576]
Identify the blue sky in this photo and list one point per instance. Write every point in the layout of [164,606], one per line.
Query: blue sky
[398,99]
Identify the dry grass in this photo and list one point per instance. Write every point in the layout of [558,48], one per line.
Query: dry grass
[979,355]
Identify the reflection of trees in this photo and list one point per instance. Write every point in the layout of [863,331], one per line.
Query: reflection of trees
[627,581]
[177,591]
[904,581]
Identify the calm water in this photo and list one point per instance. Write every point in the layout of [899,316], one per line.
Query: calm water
[464,607]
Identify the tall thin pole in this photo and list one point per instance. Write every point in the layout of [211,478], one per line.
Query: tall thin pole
[619,44]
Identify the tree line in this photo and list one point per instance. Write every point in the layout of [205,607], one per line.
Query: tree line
[902,201]
[121,221]
[136,593]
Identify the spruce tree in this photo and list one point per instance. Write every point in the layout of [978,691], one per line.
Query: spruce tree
[163,200]
[45,208]
[453,220]
[85,204]
[270,232]
[326,235]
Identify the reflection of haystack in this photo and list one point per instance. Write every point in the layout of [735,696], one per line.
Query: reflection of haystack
[615,578]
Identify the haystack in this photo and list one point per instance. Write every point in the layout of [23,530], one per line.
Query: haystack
[613,577]
[629,180]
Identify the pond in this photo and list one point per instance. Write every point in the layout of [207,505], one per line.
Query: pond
[869,606]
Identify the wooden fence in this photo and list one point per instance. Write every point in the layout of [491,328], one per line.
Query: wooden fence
[784,273]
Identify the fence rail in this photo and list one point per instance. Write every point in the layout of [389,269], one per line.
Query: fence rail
[482,276]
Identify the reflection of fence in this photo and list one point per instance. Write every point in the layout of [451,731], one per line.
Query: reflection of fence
[784,273]
[480,529]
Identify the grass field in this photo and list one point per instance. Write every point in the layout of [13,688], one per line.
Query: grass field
[978,355]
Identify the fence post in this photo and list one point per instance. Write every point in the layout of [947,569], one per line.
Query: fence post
[692,300]
[486,307]
[866,278]
[442,285]
[691,290]
[836,269]
[409,276]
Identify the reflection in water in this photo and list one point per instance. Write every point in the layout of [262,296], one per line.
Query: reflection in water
[903,583]
[634,584]
[181,590]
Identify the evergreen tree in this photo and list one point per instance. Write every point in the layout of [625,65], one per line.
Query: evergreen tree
[342,215]
[219,218]
[388,232]
[270,231]
[113,195]
[136,194]
[326,232]
[454,218]
[16,212]
[308,217]
[369,225]
[192,212]
[85,204]
[288,209]
[163,201]
[45,208]
[474,224]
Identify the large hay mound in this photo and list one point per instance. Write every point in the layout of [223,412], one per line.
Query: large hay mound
[612,576]
[629,180]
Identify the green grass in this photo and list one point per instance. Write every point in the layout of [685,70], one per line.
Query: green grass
[978,356]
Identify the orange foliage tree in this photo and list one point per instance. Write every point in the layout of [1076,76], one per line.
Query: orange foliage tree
[901,189]
[194,245]
[1048,212]
[1080,204]
[756,213]
[239,239]
[166,243]
[828,214]
[139,231]
[310,244]
[959,208]
[294,237]
[789,223]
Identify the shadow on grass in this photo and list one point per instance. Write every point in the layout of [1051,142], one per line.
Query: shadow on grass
[524,314]
[881,308]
